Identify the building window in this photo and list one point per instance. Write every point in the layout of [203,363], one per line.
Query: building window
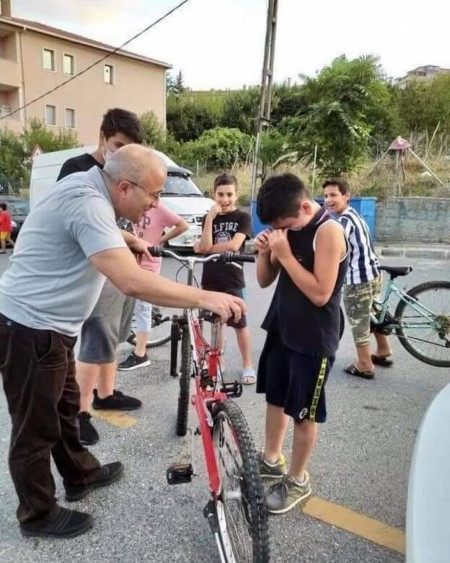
[69,65]
[108,74]
[69,118]
[50,115]
[48,59]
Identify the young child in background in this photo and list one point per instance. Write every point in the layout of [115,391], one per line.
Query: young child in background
[5,228]
[226,227]
[151,229]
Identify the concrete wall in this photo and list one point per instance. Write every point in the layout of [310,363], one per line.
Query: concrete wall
[414,220]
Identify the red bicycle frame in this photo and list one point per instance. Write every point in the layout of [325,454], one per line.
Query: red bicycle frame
[205,396]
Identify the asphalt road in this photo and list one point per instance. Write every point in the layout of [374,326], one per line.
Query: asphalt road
[361,461]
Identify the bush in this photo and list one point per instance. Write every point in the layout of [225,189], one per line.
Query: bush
[220,148]
[154,134]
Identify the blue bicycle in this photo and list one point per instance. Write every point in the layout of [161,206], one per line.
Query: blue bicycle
[421,320]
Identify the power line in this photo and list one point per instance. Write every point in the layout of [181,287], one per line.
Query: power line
[167,14]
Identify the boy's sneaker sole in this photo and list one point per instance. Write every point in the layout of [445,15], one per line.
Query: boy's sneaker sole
[121,367]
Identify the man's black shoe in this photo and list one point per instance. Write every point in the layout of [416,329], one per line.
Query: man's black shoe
[88,433]
[107,474]
[67,524]
[117,401]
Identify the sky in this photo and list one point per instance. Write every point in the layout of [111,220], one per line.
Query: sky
[219,44]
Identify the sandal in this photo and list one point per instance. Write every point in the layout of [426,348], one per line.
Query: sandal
[248,376]
[384,361]
[352,370]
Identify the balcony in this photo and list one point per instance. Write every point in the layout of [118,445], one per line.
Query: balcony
[9,74]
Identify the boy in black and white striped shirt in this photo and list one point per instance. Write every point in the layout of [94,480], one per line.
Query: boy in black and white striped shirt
[363,283]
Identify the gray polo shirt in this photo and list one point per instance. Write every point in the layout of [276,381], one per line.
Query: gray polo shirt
[50,282]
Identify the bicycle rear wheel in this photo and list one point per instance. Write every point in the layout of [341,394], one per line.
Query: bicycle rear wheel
[160,331]
[185,381]
[426,339]
[241,505]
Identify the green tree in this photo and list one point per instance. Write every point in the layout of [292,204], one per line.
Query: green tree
[188,117]
[422,106]
[179,83]
[240,110]
[342,102]
[12,157]
[36,133]
[154,134]
[217,149]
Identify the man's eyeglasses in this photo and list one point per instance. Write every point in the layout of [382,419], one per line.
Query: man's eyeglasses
[150,194]
[154,196]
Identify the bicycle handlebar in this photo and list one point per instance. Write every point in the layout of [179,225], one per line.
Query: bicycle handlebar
[227,256]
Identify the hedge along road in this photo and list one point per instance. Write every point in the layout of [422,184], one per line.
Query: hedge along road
[359,470]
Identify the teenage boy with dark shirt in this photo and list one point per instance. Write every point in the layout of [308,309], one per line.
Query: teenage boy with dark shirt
[110,320]
[307,251]
[226,227]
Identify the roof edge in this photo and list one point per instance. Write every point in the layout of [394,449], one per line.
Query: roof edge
[69,36]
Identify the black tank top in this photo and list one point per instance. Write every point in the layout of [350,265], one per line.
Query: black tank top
[303,326]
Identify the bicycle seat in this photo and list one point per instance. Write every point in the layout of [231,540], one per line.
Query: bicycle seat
[395,271]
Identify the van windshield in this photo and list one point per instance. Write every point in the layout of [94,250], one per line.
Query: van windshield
[180,186]
[18,207]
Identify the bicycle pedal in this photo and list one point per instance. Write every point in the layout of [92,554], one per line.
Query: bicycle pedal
[232,389]
[179,473]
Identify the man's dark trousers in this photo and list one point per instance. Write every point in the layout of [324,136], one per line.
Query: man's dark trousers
[38,369]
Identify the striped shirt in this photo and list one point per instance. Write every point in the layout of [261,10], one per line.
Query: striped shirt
[363,262]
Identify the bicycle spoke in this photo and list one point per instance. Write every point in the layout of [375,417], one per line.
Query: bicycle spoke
[242,494]
[424,323]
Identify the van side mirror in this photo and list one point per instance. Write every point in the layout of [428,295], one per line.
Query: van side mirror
[206,193]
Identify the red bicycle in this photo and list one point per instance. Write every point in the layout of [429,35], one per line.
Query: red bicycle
[236,510]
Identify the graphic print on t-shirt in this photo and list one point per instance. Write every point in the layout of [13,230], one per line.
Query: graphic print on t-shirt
[217,275]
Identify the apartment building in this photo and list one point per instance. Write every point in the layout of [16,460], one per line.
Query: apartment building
[35,58]
[422,73]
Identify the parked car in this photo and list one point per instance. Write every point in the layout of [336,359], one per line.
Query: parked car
[180,193]
[18,208]
[428,506]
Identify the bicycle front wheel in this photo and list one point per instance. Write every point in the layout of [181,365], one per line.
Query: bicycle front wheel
[426,335]
[241,505]
[185,382]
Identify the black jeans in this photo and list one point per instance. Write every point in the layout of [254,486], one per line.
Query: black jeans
[43,397]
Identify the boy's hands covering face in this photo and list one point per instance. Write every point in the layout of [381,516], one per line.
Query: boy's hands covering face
[279,244]
[262,243]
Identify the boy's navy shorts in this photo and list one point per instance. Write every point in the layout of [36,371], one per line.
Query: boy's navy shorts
[293,380]
[237,292]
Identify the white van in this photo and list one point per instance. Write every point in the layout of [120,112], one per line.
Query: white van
[180,194]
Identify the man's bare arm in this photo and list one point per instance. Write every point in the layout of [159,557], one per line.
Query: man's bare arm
[120,267]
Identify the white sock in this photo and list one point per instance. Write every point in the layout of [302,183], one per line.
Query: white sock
[299,482]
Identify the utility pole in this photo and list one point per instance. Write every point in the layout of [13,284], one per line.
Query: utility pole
[263,122]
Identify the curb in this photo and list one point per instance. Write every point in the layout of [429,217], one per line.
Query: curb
[405,252]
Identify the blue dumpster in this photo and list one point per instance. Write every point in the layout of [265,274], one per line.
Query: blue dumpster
[365,206]
[257,226]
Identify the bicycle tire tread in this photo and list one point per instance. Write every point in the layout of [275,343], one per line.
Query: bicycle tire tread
[185,380]
[255,488]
